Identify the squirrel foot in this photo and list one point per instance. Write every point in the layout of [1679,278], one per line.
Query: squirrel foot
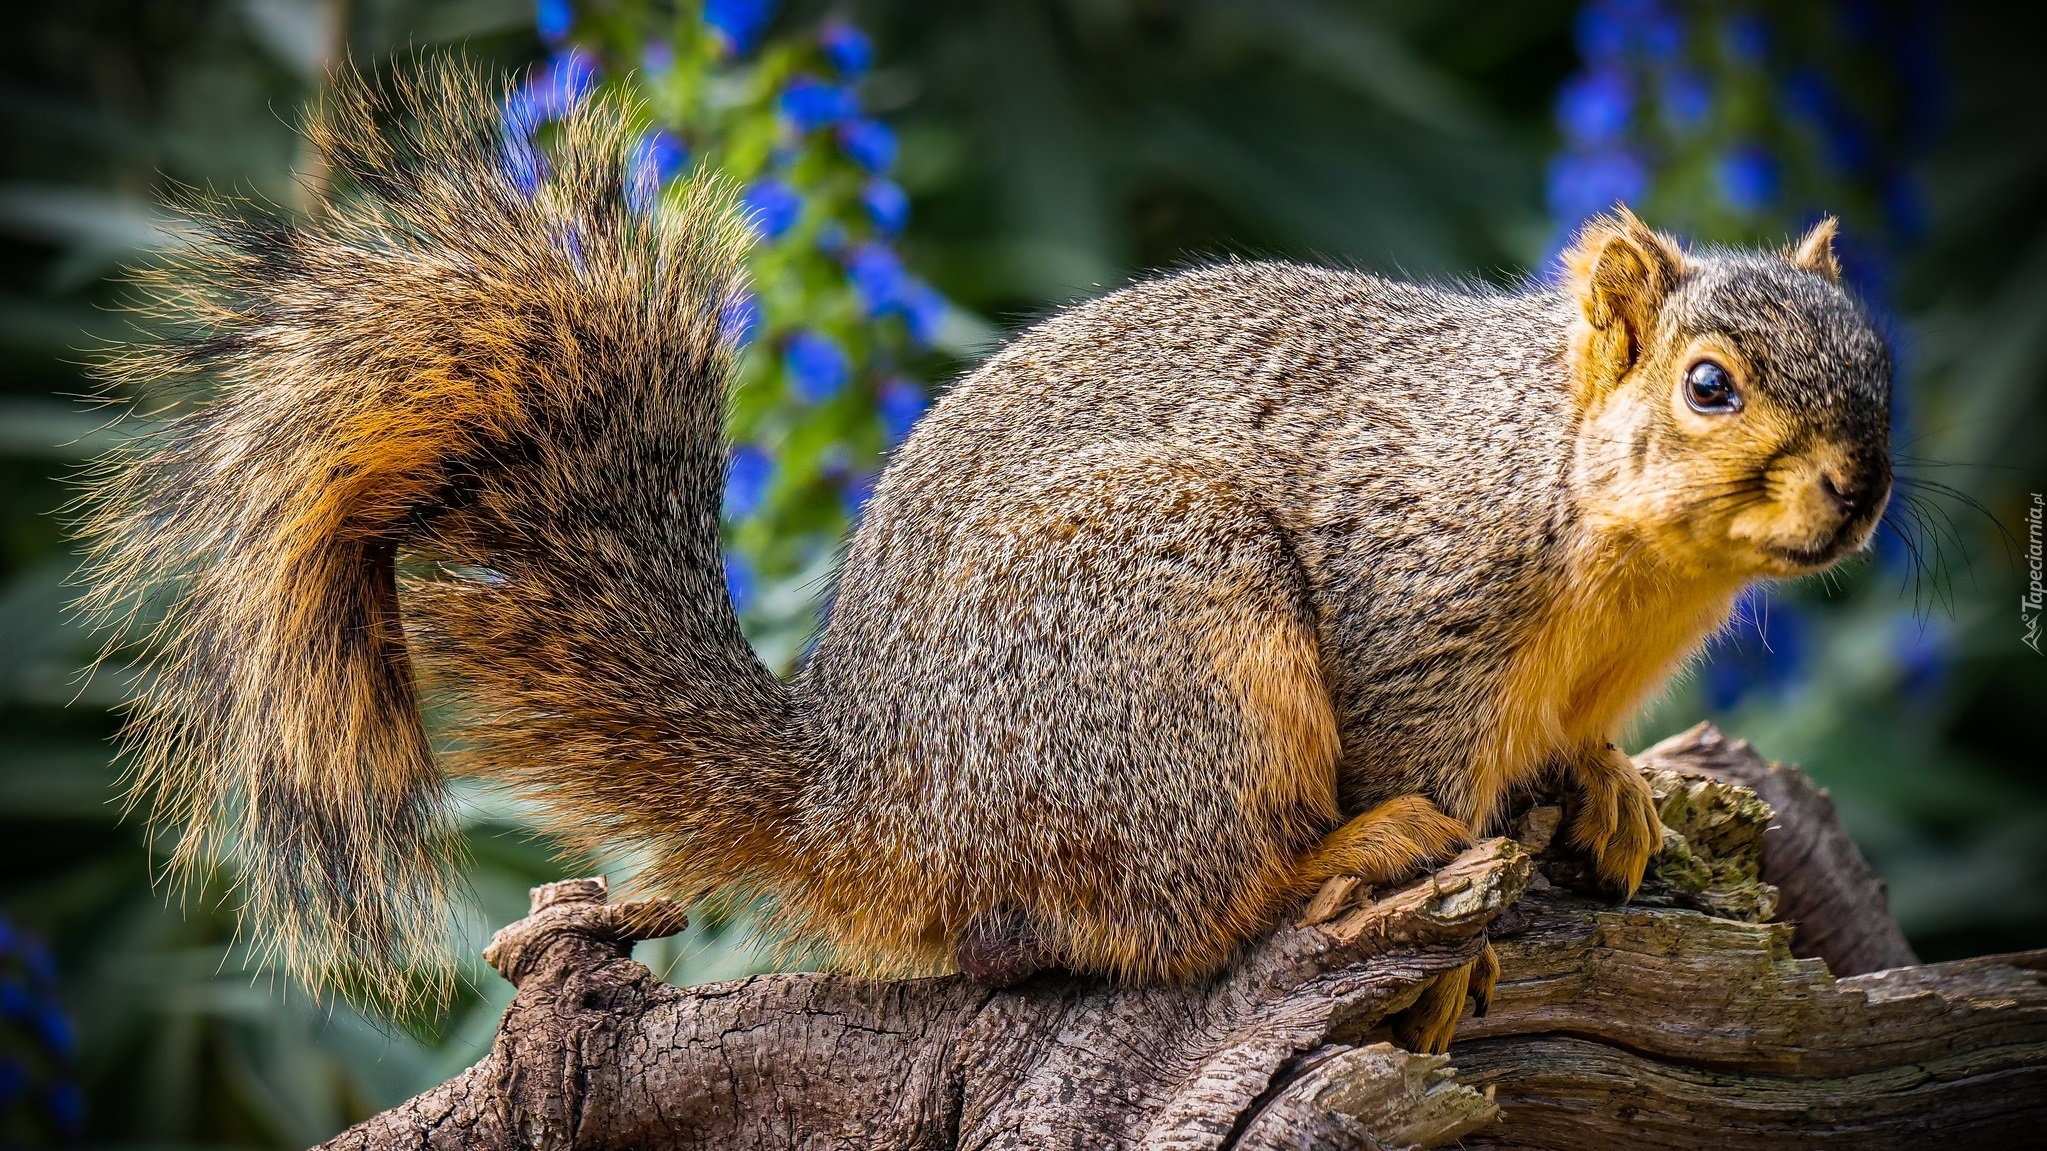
[1613,819]
[1427,1026]
[1388,844]
[1000,949]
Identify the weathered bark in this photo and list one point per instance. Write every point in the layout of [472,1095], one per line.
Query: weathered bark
[1655,1022]
[595,1053]
[1668,1031]
[1826,888]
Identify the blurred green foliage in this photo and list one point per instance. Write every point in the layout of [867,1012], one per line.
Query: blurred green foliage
[1049,150]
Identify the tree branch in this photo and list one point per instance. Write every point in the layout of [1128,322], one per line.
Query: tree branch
[1840,906]
[1656,1022]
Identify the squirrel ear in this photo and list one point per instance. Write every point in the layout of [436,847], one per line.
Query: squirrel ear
[1622,271]
[1815,253]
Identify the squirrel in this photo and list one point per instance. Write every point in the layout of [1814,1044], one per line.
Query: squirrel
[1187,600]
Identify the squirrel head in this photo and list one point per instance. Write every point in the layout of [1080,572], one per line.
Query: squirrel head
[1734,405]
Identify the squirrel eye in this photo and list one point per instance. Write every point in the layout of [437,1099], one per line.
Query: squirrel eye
[1709,389]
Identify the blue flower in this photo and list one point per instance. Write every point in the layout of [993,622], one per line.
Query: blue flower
[575,71]
[1769,658]
[1581,184]
[1850,146]
[55,1032]
[1904,207]
[662,156]
[524,166]
[816,366]
[739,22]
[740,319]
[878,276]
[1687,100]
[846,47]
[1748,179]
[1600,34]
[746,481]
[66,1106]
[1746,39]
[772,206]
[900,402]
[13,1080]
[738,581]
[811,103]
[7,936]
[1594,107]
[853,497]
[571,242]
[1726,682]
[15,1001]
[1920,648]
[868,143]
[550,91]
[885,287]
[35,955]
[667,155]
[1891,553]
[1662,36]
[547,95]
[552,19]
[657,158]
[657,58]
[831,237]
[64,1103]
[887,205]
[924,310]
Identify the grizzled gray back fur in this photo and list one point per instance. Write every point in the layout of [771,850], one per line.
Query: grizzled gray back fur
[1365,422]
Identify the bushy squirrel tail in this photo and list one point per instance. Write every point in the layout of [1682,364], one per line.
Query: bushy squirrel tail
[467,415]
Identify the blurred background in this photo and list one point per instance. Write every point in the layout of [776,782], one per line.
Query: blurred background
[929,178]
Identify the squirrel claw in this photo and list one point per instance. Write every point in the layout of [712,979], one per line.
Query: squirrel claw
[1485,978]
[1428,1025]
[1613,820]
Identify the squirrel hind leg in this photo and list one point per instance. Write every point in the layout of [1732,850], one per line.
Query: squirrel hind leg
[1135,742]
[1387,845]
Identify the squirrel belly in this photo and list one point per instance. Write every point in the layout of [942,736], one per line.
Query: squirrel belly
[1188,599]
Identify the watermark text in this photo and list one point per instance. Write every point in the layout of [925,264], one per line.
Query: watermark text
[2030,604]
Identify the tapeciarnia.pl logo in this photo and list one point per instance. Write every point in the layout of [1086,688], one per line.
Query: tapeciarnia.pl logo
[2036,595]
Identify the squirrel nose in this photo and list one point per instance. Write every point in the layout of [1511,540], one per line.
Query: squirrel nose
[1846,497]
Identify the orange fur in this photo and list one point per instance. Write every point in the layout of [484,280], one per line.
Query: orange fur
[1815,252]
[1428,1025]
[1622,270]
[385,370]
[1384,845]
[1275,672]
[1387,845]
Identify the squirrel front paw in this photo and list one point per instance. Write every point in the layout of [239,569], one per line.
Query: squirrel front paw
[1614,821]
[1427,1026]
[1388,844]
